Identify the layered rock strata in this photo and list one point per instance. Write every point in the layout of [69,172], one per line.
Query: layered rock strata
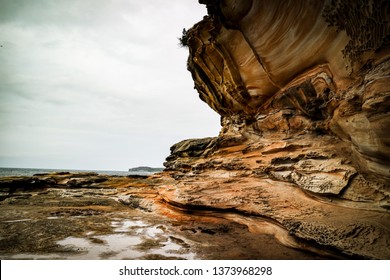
[303,155]
[93,216]
[302,88]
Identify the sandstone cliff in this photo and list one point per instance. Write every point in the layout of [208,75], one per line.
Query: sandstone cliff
[303,156]
[302,88]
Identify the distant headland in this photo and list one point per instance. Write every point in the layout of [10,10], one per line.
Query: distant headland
[146,169]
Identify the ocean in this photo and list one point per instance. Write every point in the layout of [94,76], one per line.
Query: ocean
[31,171]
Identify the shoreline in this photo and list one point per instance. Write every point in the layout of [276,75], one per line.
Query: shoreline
[11,171]
[92,216]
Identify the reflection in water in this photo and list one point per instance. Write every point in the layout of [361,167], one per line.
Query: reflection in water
[128,239]
[116,246]
[132,239]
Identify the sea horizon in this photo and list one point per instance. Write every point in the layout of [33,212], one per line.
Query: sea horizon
[31,171]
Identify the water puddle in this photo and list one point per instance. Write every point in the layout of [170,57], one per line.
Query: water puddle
[16,221]
[113,246]
[131,239]
[125,225]
[52,218]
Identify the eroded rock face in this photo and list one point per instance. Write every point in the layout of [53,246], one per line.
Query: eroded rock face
[282,69]
[95,216]
[302,88]
[307,187]
[303,155]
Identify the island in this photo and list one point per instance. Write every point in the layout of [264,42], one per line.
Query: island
[146,169]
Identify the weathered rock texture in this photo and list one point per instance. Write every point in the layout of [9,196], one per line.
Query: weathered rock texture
[303,155]
[94,216]
[303,90]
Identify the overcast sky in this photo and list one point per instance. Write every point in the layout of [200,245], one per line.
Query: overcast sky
[96,84]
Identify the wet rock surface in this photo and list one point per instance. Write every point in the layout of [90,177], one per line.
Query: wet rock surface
[106,217]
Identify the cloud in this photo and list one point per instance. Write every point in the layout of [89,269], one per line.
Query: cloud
[96,84]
